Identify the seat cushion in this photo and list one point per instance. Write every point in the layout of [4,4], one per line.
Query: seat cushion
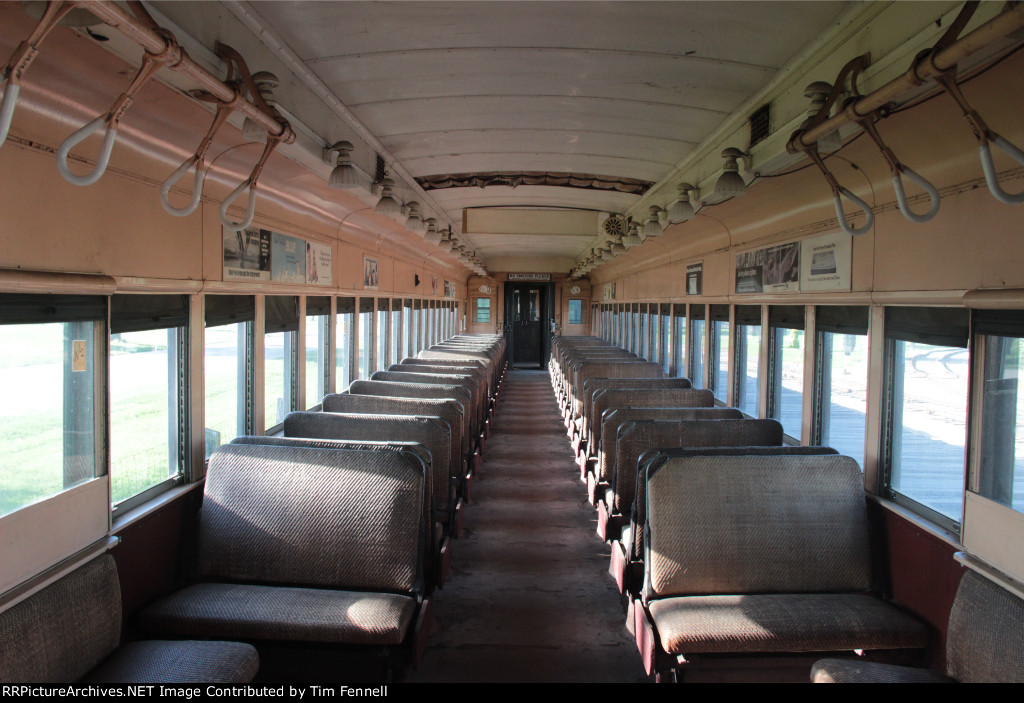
[187,661]
[253,612]
[809,622]
[856,671]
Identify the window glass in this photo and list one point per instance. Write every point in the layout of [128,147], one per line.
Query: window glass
[786,367]
[227,375]
[666,338]
[641,333]
[280,358]
[396,330]
[925,425]
[697,346]
[843,398]
[483,309]
[144,407]
[417,332]
[365,336]
[720,375]
[407,337]
[318,332]
[786,392]
[382,333]
[679,342]
[47,373]
[344,331]
[575,311]
[748,358]
[1002,455]
[928,425]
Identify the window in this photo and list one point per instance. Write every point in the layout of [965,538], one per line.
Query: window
[697,346]
[786,367]
[382,333]
[280,359]
[408,338]
[640,341]
[666,337]
[679,340]
[148,361]
[925,422]
[365,336]
[1001,471]
[396,330]
[228,373]
[318,335]
[720,351]
[746,397]
[49,347]
[483,309]
[344,331]
[417,332]
[654,350]
[575,311]
[841,360]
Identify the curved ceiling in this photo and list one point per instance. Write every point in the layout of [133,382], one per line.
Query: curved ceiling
[609,89]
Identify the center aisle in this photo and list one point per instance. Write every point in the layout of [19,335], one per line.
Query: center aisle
[529,597]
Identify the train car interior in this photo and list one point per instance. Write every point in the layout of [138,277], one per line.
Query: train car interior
[462,341]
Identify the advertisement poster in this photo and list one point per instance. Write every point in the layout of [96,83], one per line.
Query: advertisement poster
[609,291]
[773,269]
[449,289]
[826,262]
[370,272]
[433,286]
[318,264]
[287,259]
[695,279]
[247,255]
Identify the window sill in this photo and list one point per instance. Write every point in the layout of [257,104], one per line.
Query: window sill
[947,536]
[140,511]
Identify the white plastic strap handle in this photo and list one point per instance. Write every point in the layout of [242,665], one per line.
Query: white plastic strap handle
[101,161]
[197,188]
[865,208]
[250,211]
[990,169]
[7,109]
[901,196]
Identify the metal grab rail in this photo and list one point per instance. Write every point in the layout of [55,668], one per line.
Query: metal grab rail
[991,177]
[251,183]
[838,192]
[22,57]
[198,159]
[171,55]
[870,126]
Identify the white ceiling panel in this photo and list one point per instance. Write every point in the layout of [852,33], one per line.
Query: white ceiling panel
[527,113]
[615,89]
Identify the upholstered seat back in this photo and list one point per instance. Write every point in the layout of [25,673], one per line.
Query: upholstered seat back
[433,433]
[985,639]
[313,517]
[756,524]
[65,630]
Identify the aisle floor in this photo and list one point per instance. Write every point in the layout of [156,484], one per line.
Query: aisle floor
[529,597]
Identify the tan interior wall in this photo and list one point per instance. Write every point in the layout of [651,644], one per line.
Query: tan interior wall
[117,227]
[973,243]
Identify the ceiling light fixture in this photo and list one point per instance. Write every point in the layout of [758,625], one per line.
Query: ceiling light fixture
[388,203]
[431,234]
[682,209]
[652,228]
[344,174]
[730,183]
[415,222]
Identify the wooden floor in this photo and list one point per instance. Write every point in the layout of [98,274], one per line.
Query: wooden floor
[529,597]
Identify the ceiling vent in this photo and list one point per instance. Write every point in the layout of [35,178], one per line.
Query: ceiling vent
[760,124]
[614,227]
